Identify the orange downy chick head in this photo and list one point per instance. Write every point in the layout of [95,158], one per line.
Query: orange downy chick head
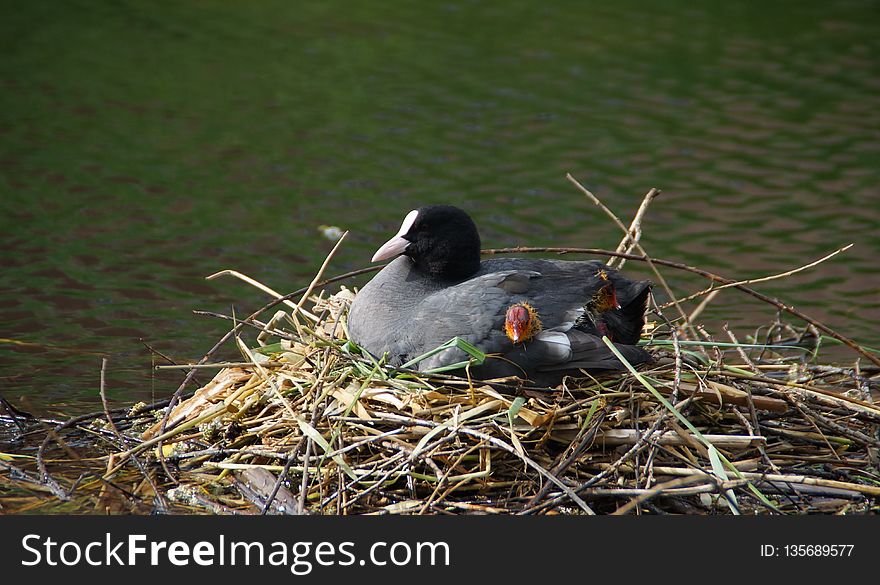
[605,299]
[521,322]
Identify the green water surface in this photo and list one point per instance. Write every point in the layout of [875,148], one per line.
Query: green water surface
[145,145]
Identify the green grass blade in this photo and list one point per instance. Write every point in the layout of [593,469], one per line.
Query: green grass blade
[477,356]
[514,409]
[684,421]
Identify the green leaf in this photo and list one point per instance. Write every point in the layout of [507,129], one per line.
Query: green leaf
[313,434]
[269,349]
[514,409]
[718,469]
[684,421]
[477,356]
[593,408]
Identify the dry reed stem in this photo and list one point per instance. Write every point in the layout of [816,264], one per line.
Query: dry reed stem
[395,441]
[634,234]
[714,290]
[317,279]
[637,245]
[277,296]
[162,503]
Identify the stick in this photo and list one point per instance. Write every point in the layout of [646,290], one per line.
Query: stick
[256,284]
[503,445]
[634,233]
[705,273]
[701,307]
[162,505]
[220,365]
[782,478]
[317,278]
[638,246]
[714,289]
[613,437]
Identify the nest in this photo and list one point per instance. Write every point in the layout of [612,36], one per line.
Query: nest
[309,423]
[317,417]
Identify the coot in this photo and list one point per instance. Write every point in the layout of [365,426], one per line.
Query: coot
[538,319]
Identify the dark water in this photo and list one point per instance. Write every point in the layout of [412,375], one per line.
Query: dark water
[144,146]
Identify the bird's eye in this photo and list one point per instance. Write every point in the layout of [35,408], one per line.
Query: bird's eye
[423,227]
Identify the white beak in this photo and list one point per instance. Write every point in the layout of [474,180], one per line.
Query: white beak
[391,248]
[397,244]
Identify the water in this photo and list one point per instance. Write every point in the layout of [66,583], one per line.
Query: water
[145,146]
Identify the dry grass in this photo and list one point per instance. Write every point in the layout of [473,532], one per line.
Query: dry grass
[306,423]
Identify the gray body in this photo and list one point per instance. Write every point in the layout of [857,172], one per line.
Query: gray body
[405,314]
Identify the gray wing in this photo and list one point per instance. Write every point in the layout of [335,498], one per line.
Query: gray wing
[473,310]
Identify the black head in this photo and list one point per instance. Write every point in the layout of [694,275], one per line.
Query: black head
[441,240]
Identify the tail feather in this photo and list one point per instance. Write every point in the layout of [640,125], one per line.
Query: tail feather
[589,352]
[625,324]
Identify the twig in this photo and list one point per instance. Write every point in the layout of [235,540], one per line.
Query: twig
[221,365]
[705,273]
[162,504]
[701,307]
[669,488]
[256,284]
[585,437]
[713,290]
[637,245]
[782,478]
[503,445]
[634,234]
[317,278]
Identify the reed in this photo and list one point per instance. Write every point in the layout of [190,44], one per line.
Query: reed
[308,423]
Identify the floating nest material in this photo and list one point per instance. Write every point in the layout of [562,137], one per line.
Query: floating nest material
[308,423]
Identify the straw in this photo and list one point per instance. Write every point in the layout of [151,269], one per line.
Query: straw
[307,422]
